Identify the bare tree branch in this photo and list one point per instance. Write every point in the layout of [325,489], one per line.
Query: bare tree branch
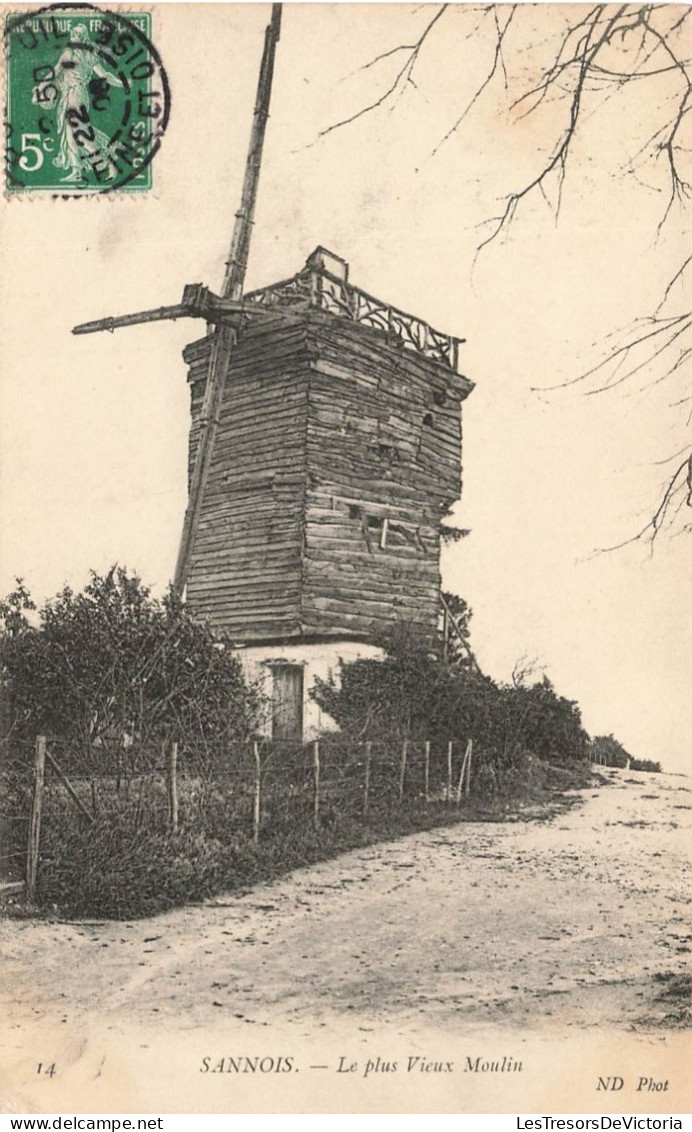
[402,77]
[594,54]
[498,60]
[582,64]
[678,488]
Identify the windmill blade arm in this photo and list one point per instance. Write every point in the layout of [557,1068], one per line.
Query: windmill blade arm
[159,314]
[198,302]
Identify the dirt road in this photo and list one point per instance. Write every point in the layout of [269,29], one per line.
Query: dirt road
[504,934]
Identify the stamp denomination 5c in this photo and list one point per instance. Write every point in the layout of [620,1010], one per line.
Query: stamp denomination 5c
[87,100]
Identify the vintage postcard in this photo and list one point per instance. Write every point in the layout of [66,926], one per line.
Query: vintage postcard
[344,537]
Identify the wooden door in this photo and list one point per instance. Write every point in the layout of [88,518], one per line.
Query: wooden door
[287,701]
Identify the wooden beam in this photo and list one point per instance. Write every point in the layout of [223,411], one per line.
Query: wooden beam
[197,302]
[234,281]
[316,784]
[257,794]
[69,787]
[173,786]
[114,322]
[35,822]
[236,265]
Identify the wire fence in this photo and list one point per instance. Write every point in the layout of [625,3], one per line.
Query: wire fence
[246,789]
[16,787]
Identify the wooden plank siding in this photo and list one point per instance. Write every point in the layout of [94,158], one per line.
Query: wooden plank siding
[384,444]
[338,453]
[245,567]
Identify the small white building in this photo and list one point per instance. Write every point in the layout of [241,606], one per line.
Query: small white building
[287,673]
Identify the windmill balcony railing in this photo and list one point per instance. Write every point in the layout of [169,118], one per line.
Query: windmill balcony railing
[327,292]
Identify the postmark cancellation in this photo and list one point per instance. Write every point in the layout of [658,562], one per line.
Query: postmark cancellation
[87,101]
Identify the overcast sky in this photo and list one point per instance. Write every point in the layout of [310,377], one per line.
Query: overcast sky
[94,428]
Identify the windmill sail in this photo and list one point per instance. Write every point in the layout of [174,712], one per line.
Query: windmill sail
[225,337]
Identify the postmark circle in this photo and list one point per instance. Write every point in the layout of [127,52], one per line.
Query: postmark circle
[88,100]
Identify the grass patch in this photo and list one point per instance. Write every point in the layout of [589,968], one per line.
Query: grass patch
[120,867]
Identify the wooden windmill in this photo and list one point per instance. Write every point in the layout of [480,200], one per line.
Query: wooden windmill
[325,449]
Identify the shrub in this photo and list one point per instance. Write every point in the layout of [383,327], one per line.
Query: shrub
[115,869]
[645,764]
[414,694]
[116,674]
[605,750]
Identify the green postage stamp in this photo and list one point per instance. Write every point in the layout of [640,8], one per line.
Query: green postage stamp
[87,100]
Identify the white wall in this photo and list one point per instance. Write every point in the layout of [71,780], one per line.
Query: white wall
[318,660]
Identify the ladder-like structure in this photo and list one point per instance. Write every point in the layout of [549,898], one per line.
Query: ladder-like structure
[455,640]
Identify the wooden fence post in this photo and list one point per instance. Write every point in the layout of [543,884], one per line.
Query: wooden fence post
[366,788]
[450,747]
[257,800]
[402,770]
[469,750]
[35,823]
[462,775]
[173,786]
[316,772]
[427,771]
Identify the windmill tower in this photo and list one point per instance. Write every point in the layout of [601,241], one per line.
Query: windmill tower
[325,449]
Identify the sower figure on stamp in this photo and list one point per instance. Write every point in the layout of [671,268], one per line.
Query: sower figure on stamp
[78,76]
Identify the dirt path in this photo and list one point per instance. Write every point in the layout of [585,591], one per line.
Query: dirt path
[541,928]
